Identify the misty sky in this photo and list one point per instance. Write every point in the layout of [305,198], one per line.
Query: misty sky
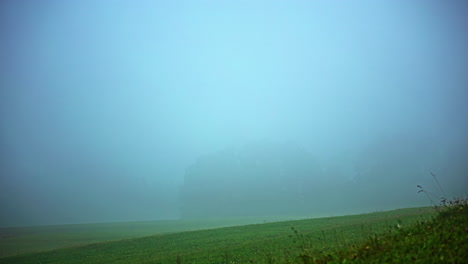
[104,104]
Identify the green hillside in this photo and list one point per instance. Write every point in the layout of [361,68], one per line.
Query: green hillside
[20,240]
[277,242]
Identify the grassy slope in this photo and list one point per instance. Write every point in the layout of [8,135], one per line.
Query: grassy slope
[443,239]
[20,240]
[262,243]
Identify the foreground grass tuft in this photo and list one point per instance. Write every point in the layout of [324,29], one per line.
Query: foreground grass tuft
[444,239]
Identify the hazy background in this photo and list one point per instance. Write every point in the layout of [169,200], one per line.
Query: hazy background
[106,105]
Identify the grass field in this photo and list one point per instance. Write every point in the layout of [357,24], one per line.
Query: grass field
[443,239]
[277,242]
[20,240]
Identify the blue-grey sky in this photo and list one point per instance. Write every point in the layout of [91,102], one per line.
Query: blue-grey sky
[103,104]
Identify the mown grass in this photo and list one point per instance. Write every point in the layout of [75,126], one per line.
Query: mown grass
[261,243]
[21,240]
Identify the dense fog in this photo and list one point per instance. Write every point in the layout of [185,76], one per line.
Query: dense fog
[147,110]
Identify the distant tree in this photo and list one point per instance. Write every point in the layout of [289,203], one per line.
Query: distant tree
[388,171]
[254,180]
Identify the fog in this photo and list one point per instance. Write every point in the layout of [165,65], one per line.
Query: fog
[147,110]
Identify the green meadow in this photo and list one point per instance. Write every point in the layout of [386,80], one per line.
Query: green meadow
[203,241]
[20,240]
